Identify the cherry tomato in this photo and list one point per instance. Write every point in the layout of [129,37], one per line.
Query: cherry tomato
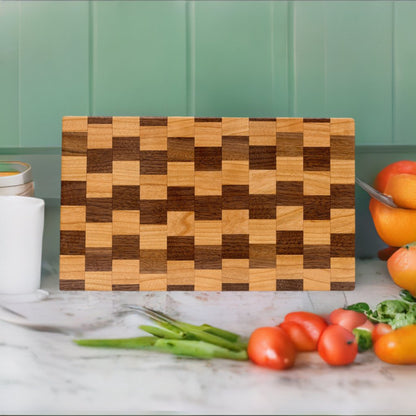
[346,318]
[380,330]
[271,347]
[304,329]
[337,346]
[368,325]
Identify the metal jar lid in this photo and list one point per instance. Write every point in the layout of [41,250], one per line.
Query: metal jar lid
[23,176]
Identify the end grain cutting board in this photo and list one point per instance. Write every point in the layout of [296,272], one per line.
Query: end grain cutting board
[184,203]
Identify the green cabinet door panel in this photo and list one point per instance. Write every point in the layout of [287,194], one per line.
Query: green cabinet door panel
[139,58]
[53,78]
[234,57]
[9,70]
[404,72]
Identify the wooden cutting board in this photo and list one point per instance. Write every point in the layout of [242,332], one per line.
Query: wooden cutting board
[184,203]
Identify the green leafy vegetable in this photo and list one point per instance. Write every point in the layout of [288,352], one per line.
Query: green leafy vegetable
[395,312]
[363,337]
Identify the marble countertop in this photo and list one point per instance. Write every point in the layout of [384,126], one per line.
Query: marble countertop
[45,373]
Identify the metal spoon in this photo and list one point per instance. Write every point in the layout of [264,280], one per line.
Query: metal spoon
[379,196]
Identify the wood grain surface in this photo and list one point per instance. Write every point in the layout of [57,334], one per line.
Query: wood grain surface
[224,204]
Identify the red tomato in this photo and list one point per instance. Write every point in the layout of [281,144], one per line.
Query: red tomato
[380,330]
[403,166]
[368,325]
[337,346]
[346,318]
[304,329]
[271,347]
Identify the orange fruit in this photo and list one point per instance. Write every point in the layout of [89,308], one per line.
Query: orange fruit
[402,267]
[395,226]
[402,188]
[403,166]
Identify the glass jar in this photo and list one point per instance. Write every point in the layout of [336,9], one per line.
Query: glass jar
[16,179]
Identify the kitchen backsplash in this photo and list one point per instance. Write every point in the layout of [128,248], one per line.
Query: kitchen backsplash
[208,58]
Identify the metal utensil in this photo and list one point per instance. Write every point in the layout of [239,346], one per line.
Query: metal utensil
[15,318]
[379,196]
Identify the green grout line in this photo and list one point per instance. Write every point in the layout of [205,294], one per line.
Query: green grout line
[91,54]
[190,58]
[291,64]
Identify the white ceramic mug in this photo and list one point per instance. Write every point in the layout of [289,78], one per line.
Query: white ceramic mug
[21,233]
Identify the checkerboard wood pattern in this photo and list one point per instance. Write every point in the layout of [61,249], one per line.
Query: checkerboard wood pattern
[184,203]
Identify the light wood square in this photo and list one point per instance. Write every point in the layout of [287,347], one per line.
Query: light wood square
[181,174]
[74,168]
[235,221]
[208,183]
[99,185]
[126,126]
[289,266]
[153,236]
[126,172]
[263,140]
[153,187]
[289,125]
[343,221]
[316,279]
[98,281]
[208,134]
[262,181]
[317,183]
[181,272]
[73,218]
[289,218]
[235,270]
[232,126]
[262,231]
[316,135]
[342,269]
[181,223]
[208,233]
[100,136]
[153,138]
[72,267]
[316,232]
[74,124]
[150,282]
[153,192]
[342,171]
[181,127]
[262,279]
[98,234]
[289,168]
[208,280]
[126,222]
[235,172]
[342,127]
[262,128]
[126,272]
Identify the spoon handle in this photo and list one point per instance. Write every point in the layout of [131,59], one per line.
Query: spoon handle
[379,196]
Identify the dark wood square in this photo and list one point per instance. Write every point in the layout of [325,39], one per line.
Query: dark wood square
[342,245]
[317,257]
[181,198]
[72,242]
[262,256]
[316,159]
[208,158]
[316,207]
[262,158]
[181,248]
[99,160]
[153,121]
[208,208]
[289,284]
[342,147]
[289,193]
[235,148]
[262,207]
[98,259]
[235,246]
[153,211]
[74,143]
[181,149]
[343,196]
[126,247]
[126,197]
[153,162]
[289,242]
[153,261]
[289,144]
[235,197]
[126,148]
[208,257]
[99,210]
[73,193]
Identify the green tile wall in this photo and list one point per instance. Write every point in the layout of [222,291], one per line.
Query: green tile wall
[259,58]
